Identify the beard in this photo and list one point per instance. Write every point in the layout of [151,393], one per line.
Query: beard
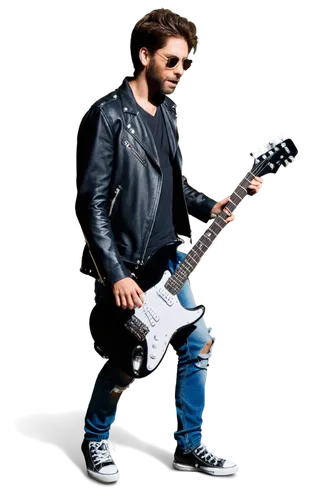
[155,81]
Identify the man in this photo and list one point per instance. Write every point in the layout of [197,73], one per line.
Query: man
[132,203]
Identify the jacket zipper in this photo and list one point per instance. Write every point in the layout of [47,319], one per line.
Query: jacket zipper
[188,218]
[113,199]
[128,145]
[140,263]
[87,245]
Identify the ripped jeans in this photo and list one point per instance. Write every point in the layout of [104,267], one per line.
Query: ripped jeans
[190,384]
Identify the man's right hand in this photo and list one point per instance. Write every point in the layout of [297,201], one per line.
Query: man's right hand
[127,293]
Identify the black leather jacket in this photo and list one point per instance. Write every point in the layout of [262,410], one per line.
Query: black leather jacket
[119,182]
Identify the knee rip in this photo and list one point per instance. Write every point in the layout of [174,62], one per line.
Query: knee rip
[205,353]
[206,348]
[118,390]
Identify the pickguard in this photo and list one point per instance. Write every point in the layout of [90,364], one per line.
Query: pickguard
[163,314]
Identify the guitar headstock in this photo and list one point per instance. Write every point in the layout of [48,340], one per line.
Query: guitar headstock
[275,155]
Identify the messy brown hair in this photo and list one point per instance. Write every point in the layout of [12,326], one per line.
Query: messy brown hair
[153,30]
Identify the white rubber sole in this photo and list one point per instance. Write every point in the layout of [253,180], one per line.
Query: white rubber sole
[104,478]
[207,470]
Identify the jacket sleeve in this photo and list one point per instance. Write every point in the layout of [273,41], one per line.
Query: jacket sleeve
[94,157]
[197,201]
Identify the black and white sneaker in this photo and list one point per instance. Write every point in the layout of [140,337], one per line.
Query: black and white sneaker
[202,460]
[99,462]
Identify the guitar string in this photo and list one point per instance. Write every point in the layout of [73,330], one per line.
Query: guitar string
[205,241]
[181,275]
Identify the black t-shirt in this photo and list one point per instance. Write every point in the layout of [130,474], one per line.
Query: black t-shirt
[163,231]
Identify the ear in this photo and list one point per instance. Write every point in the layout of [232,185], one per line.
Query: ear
[144,56]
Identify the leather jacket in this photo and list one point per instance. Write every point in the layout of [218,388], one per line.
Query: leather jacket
[119,183]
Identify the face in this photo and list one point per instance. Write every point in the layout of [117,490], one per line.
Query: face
[161,78]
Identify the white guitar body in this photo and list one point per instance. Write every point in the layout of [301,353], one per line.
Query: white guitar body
[163,315]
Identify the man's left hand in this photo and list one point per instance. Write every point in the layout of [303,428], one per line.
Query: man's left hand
[255,186]
[220,205]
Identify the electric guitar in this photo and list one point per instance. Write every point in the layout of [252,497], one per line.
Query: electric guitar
[139,338]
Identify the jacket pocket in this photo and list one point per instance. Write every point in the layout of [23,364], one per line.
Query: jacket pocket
[129,146]
[114,197]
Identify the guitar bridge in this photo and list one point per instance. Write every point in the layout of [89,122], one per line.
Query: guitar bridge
[137,327]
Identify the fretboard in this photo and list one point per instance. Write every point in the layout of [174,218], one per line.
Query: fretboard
[176,282]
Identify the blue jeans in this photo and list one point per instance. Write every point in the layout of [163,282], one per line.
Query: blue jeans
[190,384]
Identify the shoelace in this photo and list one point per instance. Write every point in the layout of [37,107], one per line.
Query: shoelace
[202,452]
[100,452]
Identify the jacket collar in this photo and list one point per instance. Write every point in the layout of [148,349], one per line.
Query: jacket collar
[136,127]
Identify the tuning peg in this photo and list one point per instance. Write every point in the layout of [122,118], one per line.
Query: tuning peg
[281,138]
[287,164]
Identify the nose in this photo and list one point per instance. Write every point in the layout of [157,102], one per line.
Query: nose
[179,70]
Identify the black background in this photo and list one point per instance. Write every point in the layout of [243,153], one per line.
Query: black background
[255,285]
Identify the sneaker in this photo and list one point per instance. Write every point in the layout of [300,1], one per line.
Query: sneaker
[202,460]
[99,462]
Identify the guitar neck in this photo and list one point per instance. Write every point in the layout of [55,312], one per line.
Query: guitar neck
[176,282]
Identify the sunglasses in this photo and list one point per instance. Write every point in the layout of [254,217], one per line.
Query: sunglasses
[173,61]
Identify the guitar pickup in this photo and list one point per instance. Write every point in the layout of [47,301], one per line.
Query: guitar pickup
[137,328]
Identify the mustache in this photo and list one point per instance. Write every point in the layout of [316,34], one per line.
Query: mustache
[152,73]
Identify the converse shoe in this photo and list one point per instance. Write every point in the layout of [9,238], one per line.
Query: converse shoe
[99,462]
[202,460]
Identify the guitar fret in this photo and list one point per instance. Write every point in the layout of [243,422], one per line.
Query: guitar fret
[171,284]
[198,259]
[191,257]
[242,188]
[199,252]
[175,278]
[230,201]
[209,241]
[237,195]
[202,243]
[185,266]
[182,270]
[184,275]
[177,283]
[186,263]
[221,227]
